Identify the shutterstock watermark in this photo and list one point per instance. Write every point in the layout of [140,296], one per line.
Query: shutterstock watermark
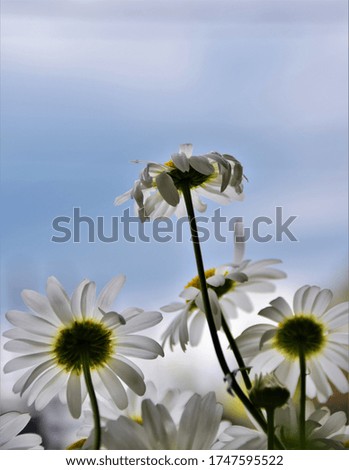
[128,227]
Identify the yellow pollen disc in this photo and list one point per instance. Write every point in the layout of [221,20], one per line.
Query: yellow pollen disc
[137,419]
[195,282]
[170,164]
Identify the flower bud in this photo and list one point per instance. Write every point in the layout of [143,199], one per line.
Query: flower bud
[268,392]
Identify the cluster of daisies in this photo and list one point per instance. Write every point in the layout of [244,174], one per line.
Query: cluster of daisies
[79,348]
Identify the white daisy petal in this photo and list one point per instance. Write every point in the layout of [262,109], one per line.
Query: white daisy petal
[74,397]
[201,165]
[187,149]
[189,293]
[128,375]
[50,390]
[283,307]
[31,323]
[309,297]
[40,305]
[141,322]
[196,328]
[23,362]
[167,189]
[172,307]
[59,300]
[114,387]
[108,295]
[181,161]
[88,300]
[298,300]
[76,299]
[322,301]
[339,312]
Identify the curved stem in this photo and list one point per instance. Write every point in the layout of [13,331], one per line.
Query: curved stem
[303,375]
[233,385]
[94,405]
[202,278]
[271,430]
[237,353]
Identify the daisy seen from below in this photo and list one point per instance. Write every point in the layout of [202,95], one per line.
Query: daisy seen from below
[228,287]
[310,330]
[63,339]
[159,190]
[11,424]
[173,400]
[323,431]
[197,429]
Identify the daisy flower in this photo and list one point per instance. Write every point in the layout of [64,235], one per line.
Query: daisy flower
[228,288]
[159,190]
[64,335]
[323,431]
[11,424]
[197,428]
[173,399]
[320,331]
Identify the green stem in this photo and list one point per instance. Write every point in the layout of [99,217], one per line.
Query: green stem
[303,375]
[271,430]
[202,278]
[209,315]
[94,405]
[237,353]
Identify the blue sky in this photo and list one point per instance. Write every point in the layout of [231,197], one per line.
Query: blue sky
[89,86]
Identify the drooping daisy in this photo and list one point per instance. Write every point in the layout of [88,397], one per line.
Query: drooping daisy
[197,429]
[321,332]
[11,424]
[228,289]
[159,190]
[63,335]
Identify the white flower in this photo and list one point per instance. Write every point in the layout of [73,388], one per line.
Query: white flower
[241,437]
[11,424]
[323,431]
[321,332]
[197,429]
[173,399]
[228,289]
[158,191]
[53,342]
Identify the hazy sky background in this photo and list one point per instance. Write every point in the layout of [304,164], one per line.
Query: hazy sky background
[88,86]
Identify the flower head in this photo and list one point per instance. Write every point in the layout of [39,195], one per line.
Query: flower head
[63,334]
[311,325]
[197,428]
[228,289]
[158,191]
[267,392]
[173,399]
[11,424]
[323,431]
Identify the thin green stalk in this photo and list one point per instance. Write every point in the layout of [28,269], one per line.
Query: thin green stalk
[271,431]
[303,375]
[209,315]
[94,405]
[237,353]
[202,278]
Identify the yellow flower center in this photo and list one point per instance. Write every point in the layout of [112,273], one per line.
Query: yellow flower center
[228,285]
